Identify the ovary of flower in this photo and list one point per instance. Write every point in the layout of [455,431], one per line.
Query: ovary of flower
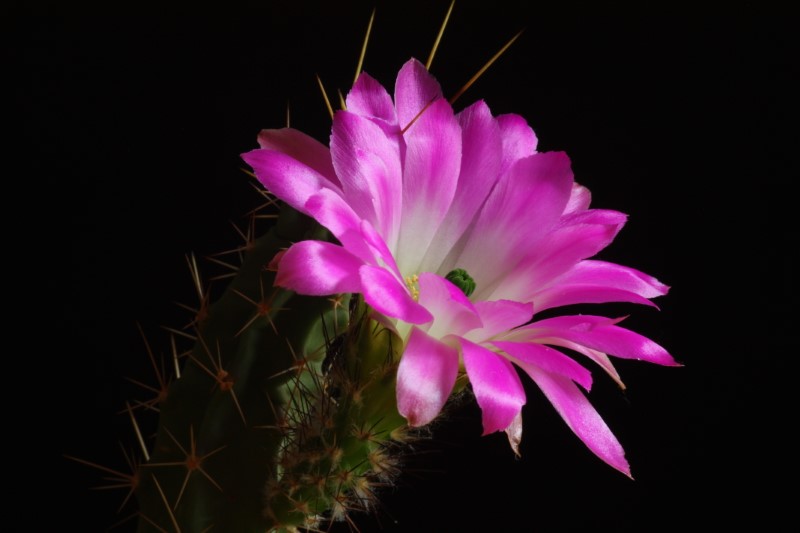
[494,231]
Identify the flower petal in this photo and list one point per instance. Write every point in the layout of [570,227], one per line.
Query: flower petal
[389,296]
[508,227]
[415,89]
[430,176]
[302,147]
[519,140]
[318,268]
[579,199]
[601,334]
[286,177]
[369,99]
[496,386]
[498,317]
[577,237]
[581,417]
[592,281]
[547,359]
[367,162]
[425,377]
[480,168]
[452,311]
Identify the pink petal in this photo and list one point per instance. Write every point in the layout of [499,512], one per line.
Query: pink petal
[333,212]
[369,99]
[496,386]
[577,237]
[387,295]
[425,377]
[367,162]
[318,268]
[453,312]
[415,89]
[593,281]
[286,177]
[579,199]
[498,317]
[480,168]
[430,176]
[547,359]
[519,140]
[602,360]
[380,251]
[581,417]
[508,226]
[302,147]
[599,333]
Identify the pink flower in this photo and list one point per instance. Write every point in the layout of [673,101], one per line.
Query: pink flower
[456,230]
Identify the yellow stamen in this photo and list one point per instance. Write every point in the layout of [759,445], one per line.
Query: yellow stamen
[411,282]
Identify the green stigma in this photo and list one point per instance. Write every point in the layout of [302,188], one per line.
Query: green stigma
[462,280]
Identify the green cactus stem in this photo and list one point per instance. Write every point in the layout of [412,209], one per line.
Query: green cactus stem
[284,415]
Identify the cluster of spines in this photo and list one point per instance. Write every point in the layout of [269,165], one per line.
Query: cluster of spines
[262,425]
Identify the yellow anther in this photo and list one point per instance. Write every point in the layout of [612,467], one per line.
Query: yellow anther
[411,282]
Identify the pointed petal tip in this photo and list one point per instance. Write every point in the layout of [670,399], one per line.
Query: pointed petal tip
[514,434]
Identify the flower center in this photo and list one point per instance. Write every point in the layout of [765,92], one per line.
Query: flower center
[413,286]
[461,279]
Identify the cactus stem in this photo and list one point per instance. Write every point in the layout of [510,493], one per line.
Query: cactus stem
[264,308]
[223,378]
[193,462]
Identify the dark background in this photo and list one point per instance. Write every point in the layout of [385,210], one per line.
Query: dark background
[131,130]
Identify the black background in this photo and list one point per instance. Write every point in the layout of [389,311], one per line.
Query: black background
[132,126]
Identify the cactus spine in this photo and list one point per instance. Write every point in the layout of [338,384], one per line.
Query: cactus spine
[284,413]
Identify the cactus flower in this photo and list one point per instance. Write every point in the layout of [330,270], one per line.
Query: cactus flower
[456,231]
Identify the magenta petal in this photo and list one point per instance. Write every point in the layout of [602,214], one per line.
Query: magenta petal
[369,99]
[286,177]
[430,176]
[579,199]
[547,359]
[333,212]
[496,386]
[302,147]
[387,295]
[318,268]
[578,236]
[519,140]
[415,89]
[593,281]
[425,377]
[581,417]
[543,180]
[453,312]
[367,162]
[498,317]
[480,168]
[601,334]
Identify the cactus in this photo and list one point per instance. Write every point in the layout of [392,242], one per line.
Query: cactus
[284,413]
